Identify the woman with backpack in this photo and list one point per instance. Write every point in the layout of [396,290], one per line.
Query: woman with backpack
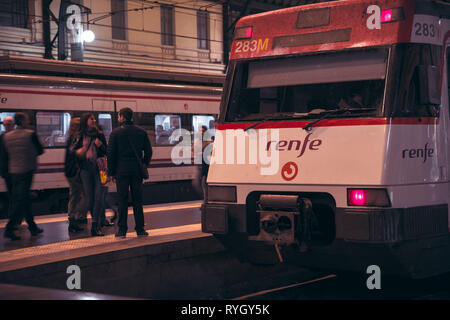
[77,210]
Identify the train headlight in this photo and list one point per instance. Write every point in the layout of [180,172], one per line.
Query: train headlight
[368,197]
[222,193]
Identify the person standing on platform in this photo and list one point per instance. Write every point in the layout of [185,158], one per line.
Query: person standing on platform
[8,123]
[77,210]
[91,146]
[206,159]
[127,143]
[104,222]
[23,148]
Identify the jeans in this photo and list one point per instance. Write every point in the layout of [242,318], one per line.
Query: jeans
[20,200]
[205,188]
[93,191]
[76,207]
[8,182]
[124,183]
[104,194]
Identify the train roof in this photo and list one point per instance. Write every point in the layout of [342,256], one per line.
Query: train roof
[35,66]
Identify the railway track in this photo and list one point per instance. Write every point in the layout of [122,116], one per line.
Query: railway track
[352,286]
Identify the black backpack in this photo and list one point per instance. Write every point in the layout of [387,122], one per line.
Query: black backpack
[71,164]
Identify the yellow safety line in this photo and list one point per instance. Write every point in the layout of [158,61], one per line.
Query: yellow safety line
[110,213]
[67,246]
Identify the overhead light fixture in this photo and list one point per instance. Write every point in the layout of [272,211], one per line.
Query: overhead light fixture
[88,36]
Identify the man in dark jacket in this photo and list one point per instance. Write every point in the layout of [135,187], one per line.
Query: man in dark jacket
[8,123]
[23,148]
[125,159]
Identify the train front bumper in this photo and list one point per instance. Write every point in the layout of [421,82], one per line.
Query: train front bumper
[387,225]
[224,218]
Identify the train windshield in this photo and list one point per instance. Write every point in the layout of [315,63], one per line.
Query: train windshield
[307,86]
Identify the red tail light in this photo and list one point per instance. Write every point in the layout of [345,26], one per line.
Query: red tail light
[368,197]
[357,197]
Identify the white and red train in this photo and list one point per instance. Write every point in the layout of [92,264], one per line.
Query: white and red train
[342,110]
[52,92]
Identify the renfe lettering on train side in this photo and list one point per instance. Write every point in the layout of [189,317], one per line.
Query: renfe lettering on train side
[288,145]
[424,153]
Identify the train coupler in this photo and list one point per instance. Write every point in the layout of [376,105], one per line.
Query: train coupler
[284,220]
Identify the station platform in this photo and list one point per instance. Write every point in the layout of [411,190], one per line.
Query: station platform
[115,267]
[56,225]
[175,262]
[72,249]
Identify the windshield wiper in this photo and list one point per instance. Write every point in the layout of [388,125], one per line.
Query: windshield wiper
[327,114]
[316,112]
[279,116]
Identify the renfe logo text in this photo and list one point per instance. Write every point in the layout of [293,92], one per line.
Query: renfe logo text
[424,153]
[288,145]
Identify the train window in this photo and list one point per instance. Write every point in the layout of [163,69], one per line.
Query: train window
[3,115]
[164,126]
[199,120]
[105,121]
[52,127]
[282,88]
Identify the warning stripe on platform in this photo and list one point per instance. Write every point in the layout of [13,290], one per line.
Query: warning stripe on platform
[109,213]
[66,250]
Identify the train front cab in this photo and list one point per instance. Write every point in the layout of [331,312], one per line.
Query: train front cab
[406,233]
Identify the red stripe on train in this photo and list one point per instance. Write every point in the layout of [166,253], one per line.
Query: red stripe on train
[331,123]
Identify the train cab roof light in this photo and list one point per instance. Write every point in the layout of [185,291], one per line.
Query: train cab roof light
[368,197]
[392,15]
[243,33]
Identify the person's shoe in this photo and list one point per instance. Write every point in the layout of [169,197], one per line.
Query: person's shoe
[141,233]
[106,223]
[35,230]
[11,235]
[96,231]
[121,234]
[74,227]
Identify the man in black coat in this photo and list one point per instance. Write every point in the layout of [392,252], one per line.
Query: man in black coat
[23,147]
[126,145]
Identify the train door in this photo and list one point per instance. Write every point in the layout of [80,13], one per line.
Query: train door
[107,110]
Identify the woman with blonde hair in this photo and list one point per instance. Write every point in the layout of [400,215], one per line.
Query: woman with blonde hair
[77,210]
